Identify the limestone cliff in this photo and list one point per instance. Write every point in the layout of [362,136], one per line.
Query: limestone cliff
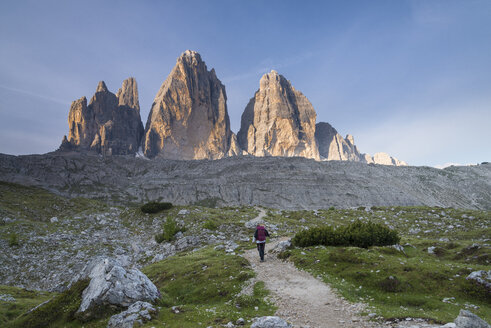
[278,121]
[189,118]
[333,147]
[109,125]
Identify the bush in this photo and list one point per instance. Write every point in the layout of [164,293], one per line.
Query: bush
[171,227]
[155,207]
[358,233]
[210,225]
[13,240]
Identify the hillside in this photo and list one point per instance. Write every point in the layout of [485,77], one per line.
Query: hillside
[287,183]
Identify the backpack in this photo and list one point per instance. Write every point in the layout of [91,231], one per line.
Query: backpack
[261,233]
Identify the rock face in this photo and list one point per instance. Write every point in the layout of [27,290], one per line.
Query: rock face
[109,125]
[189,118]
[278,121]
[276,182]
[333,147]
[112,285]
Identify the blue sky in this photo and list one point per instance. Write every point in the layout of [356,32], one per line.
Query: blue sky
[410,78]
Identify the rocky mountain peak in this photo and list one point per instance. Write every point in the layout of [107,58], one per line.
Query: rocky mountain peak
[189,118]
[109,125]
[128,94]
[101,87]
[278,121]
[349,138]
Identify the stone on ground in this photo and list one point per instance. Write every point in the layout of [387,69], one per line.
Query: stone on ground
[113,285]
[138,312]
[270,322]
[467,319]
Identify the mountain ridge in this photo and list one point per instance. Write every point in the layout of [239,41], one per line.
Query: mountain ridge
[189,120]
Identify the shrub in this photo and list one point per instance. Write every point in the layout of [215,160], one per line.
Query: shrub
[358,233]
[210,225]
[171,227]
[13,240]
[155,207]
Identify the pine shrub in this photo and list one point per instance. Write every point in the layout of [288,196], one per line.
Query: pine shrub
[358,233]
[171,228]
[155,207]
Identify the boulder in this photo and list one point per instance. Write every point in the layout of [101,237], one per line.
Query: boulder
[189,117]
[281,246]
[278,121]
[482,277]
[112,285]
[467,319]
[139,312]
[270,322]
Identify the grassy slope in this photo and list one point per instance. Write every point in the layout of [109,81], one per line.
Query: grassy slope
[424,279]
[420,281]
[205,287]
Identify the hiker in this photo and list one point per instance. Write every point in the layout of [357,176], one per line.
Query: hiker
[260,237]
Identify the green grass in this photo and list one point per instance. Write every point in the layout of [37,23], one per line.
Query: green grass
[60,311]
[24,301]
[204,285]
[414,283]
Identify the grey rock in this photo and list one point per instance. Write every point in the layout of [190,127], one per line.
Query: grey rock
[281,246]
[278,121]
[53,219]
[111,284]
[467,319]
[189,117]
[240,322]
[139,312]
[270,322]
[332,146]
[481,277]
[276,182]
[109,125]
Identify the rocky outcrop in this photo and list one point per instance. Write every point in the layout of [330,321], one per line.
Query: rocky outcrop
[276,182]
[109,125]
[467,319]
[189,118]
[278,121]
[137,314]
[333,147]
[112,285]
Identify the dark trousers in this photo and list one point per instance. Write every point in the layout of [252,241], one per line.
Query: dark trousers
[260,248]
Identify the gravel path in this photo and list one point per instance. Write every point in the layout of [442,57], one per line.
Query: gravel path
[301,299]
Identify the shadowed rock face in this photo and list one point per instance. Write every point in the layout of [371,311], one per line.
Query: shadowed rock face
[109,125]
[189,118]
[333,147]
[278,121]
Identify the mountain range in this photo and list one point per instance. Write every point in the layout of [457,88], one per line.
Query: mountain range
[189,121]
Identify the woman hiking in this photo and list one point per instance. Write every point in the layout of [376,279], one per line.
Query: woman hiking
[260,237]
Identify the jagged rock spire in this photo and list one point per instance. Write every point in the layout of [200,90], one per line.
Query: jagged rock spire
[278,121]
[189,118]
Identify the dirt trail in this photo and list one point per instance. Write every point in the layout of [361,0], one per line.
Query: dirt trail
[301,299]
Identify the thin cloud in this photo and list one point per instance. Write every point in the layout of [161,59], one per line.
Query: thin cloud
[35,95]
[269,64]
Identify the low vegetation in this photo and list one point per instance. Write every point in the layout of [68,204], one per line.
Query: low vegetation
[358,233]
[205,284]
[410,281]
[155,207]
[205,287]
[170,229]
